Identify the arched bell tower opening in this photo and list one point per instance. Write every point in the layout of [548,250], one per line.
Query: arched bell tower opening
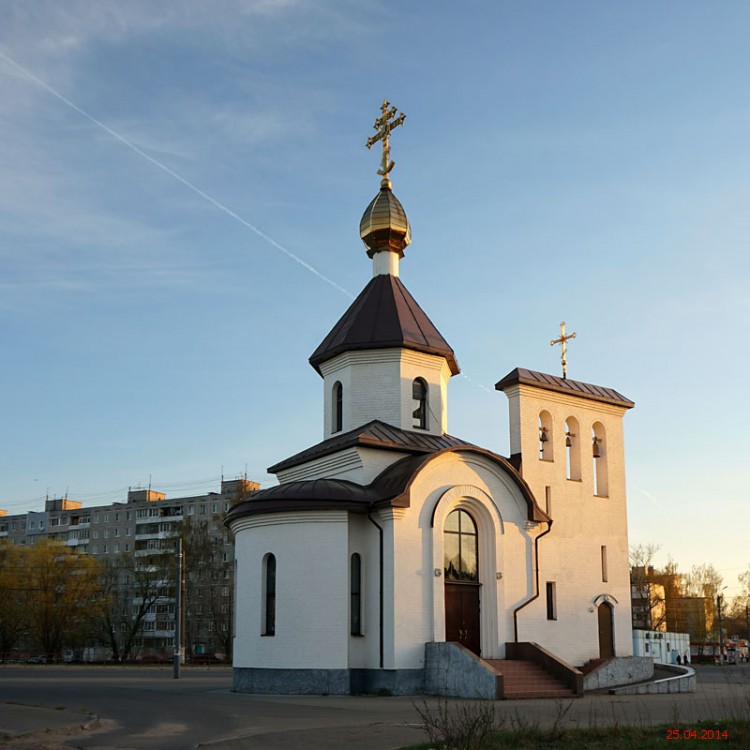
[599,459]
[337,407]
[419,398]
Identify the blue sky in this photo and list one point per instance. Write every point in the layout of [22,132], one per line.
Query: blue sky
[577,161]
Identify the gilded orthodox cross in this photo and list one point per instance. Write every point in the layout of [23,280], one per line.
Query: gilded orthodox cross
[564,338]
[383,127]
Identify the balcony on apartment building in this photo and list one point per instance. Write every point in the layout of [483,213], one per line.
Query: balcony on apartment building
[155,531]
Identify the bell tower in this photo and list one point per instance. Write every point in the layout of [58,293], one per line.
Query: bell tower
[566,438]
[385,359]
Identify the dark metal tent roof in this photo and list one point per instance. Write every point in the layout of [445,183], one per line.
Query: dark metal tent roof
[384,316]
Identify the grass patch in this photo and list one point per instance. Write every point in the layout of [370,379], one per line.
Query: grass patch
[735,733]
[475,725]
[607,738]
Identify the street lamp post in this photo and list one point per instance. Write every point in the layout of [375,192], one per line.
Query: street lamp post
[177,659]
[721,632]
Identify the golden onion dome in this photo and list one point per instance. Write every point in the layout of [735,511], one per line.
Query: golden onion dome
[384,225]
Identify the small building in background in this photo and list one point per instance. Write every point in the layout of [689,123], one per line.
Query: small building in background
[662,646]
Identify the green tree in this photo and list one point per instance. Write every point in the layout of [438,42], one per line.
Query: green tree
[12,611]
[60,585]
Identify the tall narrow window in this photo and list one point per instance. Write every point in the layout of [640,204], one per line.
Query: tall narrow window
[355,595]
[548,500]
[604,564]
[419,394]
[337,421]
[269,595]
[599,452]
[551,600]
[572,449]
[461,562]
[234,592]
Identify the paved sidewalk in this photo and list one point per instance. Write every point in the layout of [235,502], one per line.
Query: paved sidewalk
[20,721]
[144,709]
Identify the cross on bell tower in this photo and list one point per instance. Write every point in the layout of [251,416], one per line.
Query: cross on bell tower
[564,338]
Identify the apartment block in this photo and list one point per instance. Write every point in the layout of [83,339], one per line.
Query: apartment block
[139,536]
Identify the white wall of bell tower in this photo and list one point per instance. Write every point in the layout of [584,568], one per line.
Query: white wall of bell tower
[572,456]
[379,384]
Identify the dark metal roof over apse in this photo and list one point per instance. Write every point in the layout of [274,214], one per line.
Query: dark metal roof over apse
[390,488]
[374,434]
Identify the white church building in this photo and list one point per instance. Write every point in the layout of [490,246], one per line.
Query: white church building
[391,541]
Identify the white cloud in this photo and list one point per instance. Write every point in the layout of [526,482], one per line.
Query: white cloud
[51,30]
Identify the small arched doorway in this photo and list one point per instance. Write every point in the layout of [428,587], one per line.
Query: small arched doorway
[462,587]
[606,631]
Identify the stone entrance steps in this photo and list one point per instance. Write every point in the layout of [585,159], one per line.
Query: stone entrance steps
[525,679]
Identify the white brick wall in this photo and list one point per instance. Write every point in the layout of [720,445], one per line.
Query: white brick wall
[378,385]
[478,484]
[360,465]
[313,549]
[312,623]
[583,522]
[364,651]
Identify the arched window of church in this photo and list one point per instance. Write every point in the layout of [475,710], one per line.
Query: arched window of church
[355,594]
[419,394]
[545,437]
[599,452]
[337,421]
[269,595]
[572,449]
[460,559]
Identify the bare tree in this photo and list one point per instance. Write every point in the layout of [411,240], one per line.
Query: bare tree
[209,614]
[642,555]
[703,580]
[647,589]
[736,618]
[744,580]
[130,588]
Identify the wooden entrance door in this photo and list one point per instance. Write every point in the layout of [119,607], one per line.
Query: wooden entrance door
[462,615]
[606,631]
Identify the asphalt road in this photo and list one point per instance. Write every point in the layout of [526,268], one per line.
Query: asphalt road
[146,709]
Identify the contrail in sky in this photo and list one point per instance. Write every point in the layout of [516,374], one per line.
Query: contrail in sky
[478,385]
[649,496]
[188,184]
[173,174]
